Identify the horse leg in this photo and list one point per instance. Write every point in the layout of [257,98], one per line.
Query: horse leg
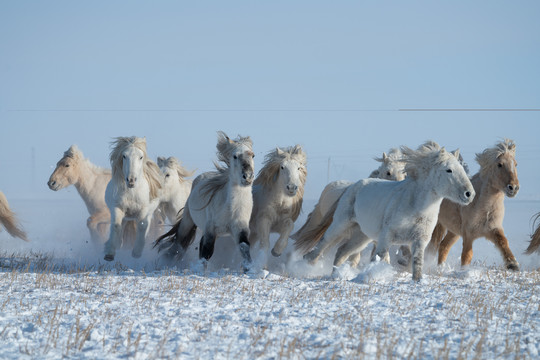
[283,240]
[337,231]
[417,260]
[242,235]
[436,239]
[444,248]
[381,249]
[351,248]
[501,242]
[206,246]
[97,224]
[354,259]
[467,251]
[260,233]
[142,230]
[115,236]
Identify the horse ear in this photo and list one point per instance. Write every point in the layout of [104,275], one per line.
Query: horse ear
[160,161]
[279,151]
[456,154]
[385,158]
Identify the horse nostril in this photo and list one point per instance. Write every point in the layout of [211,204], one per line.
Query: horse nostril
[510,187]
[468,194]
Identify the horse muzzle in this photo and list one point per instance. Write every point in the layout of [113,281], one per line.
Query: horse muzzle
[292,189]
[511,190]
[247,178]
[131,182]
[53,185]
[467,197]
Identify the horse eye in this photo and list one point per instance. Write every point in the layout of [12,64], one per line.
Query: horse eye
[388,173]
[167,175]
[499,165]
[449,170]
[123,156]
[140,158]
[67,165]
[282,167]
[235,157]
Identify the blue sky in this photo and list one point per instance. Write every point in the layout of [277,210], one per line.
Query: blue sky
[330,76]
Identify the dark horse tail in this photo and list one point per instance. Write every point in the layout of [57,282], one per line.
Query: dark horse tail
[179,237]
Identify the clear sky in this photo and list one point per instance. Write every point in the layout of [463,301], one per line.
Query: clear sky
[329,75]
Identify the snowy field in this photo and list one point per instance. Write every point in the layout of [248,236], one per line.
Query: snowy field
[60,299]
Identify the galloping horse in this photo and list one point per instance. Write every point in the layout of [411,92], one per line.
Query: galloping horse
[389,212]
[278,192]
[132,193]
[90,182]
[392,168]
[220,203]
[484,216]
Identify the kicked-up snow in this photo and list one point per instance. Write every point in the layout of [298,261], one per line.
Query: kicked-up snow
[59,299]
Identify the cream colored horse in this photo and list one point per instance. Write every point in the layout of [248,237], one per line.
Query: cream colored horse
[90,182]
[278,193]
[175,187]
[8,219]
[484,216]
[133,192]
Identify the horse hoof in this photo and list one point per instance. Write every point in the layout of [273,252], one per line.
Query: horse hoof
[514,266]
[274,253]
[109,257]
[136,254]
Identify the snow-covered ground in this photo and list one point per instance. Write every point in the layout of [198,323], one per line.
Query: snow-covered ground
[59,298]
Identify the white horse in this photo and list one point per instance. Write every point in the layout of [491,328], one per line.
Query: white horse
[392,168]
[132,193]
[90,181]
[175,187]
[403,212]
[8,219]
[220,203]
[278,192]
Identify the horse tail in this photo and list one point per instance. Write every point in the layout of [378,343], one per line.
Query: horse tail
[313,230]
[436,238]
[182,233]
[534,244]
[9,220]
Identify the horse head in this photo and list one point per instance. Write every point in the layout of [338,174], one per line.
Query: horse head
[238,155]
[128,159]
[67,169]
[292,169]
[392,167]
[498,165]
[442,170]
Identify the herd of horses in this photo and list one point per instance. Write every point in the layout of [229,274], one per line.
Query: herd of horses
[421,199]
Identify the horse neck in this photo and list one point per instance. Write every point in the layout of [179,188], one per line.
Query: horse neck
[422,197]
[86,183]
[485,189]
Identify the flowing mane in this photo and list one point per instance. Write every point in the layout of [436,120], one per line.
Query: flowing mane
[427,156]
[151,170]
[225,147]
[488,158]
[272,165]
